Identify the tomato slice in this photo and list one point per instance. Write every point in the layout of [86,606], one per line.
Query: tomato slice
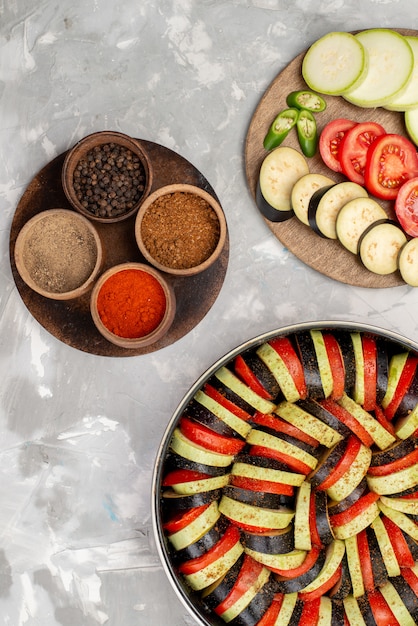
[391,161]
[270,616]
[315,538]
[381,610]
[310,596]
[248,575]
[310,560]
[394,466]
[345,462]
[365,561]
[330,139]
[227,404]
[353,149]
[383,421]
[310,613]
[287,353]
[267,486]
[336,363]
[280,425]
[402,387]
[370,372]
[181,520]
[270,453]
[410,578]
[226,542]
[249,378]
[208,439]
[349,420]
[400,547]
[363,503]
[406,207]
[183,476]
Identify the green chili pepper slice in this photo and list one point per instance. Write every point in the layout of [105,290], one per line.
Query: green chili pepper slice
[307,100]
[307,133]
[280,128]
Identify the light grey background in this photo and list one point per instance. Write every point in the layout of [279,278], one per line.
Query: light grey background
[79,433]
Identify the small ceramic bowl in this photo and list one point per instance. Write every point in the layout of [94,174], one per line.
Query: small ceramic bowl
[106,176]
[181,229]
[58,253]
[132,305]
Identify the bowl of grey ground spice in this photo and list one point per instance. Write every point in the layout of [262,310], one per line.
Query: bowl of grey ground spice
[58,253]
[181,229]
[106,176]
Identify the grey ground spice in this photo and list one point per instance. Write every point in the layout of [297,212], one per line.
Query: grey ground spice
[180,230]
[59,253]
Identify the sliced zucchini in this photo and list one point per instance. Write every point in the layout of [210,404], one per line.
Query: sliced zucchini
[279,171]
[411,123]
[354,565]
[335,63]
[286,561]
[378,433]
[385,546]
[353,219]
[196,529]
[231,381]
[334,554]
[353,477]
[401,519]
[302,516]
[408,99]
[303,191]
[327,202]
[309,424]
[395,482]
[380,245]
[241,513]
[396,605]
[391,62]
[408,262]
[260,438]
[405,505]
[190,450]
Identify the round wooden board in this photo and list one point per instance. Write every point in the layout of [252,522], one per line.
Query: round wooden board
[324,255]
[70,321]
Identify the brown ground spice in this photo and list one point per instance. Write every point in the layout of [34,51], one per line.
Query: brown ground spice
[60,253]
[180,230]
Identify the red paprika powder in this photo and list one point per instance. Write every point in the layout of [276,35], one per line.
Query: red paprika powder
[131,303]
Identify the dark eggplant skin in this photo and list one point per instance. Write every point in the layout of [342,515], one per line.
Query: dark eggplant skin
[261,461]
[220,591]
[307,355]
[412,545]
[317,410]
[382,369]
[268,211]
[327,462]
[366,611]
[313,206]
[338,612]
[258,498]
[174,503]
[407,595]
[343,588]
[200,414]
[275,542]
[255,610]
[202,545]
[322,519]
[174,461]
[343,505]
[263,374]
[380,574]
[347,349]
[409,401]
[398,450]
[290,585]
[230,395]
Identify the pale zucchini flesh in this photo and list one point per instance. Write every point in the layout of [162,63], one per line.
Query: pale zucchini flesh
[408,99]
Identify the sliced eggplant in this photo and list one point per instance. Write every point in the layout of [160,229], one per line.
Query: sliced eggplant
[291,585]
[343,587]
[315,408]
[353,219]
[396,451]
[407,595]
[220,589]
[270,542]
[338,613]
[412,545]
[335,507]
[322,518]
[380,574]
[173,502]
[379,246]
[199,413]
[347,350]
[202,545]
[303,191]
[327,463]
[409,400]
[262,373]
[366,611]
[382,362]
[258,498]
[307,355]
[255,610]
[176,461]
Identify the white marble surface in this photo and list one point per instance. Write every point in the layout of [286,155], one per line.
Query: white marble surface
[79,433]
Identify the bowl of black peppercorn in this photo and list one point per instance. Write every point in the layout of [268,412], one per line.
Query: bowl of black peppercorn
[106,176]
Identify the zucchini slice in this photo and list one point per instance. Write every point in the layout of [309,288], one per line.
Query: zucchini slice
[408,262]
[380,245]
[279,171]
[353,219]
[335,63]
[326,204]
[411,123]
[391,62]
[408,99]
[303,191]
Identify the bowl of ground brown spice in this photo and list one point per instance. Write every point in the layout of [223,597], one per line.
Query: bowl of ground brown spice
[106,176]
[181,229]
[58,253]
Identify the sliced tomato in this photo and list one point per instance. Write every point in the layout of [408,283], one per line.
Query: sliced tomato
[330,140]
[287,353]
[370,372]
[181,520]
[246,374]
[353,148]
[394,466]
[270,453]
[310,596]
[226,542]
[280,425]
[406,207]
[270,616]
[227,404]
[349,420]
[365,561]
[402,387]
[183,476]
[336,363]
[343,465]
[400,547]
[310,613]
[383,421]
[208,439]
[411,578]
[309,561]
[363,503]
[391,161]
[315,538]
[267,486]
[247,576]
[381,611]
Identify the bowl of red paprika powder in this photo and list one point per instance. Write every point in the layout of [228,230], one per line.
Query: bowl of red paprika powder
[106,176]
[181,229]
[132,305]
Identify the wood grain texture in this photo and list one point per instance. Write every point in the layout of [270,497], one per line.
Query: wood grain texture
[70,321]
[324,255]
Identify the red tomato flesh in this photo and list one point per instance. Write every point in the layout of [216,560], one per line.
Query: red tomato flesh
[208,439]
[310,560]
[394,466]
[270,453]
[270,616]
[370,372]
[349,420]
[183,476]
[330,139]
[365,561]
[337,365]
[345,462]
[227,404]
[280,425]
[227,541]
[310,613]
[244,372]
[383,421]
[352,152]
[406,207]
[363,503]
[287,353]
[404,382]
[181,520]
[267,486]
[380,609]
[248,575]
[400,547]
[317,593]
